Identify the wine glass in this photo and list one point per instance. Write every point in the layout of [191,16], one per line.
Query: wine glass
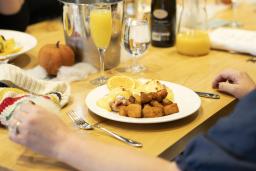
[234,7]
[101,30]
[136,40]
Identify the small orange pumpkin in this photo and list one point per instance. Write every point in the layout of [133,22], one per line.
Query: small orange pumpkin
[53,56]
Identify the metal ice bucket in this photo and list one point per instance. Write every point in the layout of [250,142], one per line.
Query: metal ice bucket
[76,18]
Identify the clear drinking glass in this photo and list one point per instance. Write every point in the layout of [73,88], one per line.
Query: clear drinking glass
[136,40]
[101,30]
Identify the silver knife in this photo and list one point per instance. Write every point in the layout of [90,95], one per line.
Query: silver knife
[208,95]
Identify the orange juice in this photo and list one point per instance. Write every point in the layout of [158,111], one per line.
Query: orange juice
[193,43]
[101,27]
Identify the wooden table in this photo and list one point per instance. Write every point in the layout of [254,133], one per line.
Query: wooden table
[165,140]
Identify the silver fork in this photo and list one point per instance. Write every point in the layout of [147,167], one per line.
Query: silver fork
[82,124]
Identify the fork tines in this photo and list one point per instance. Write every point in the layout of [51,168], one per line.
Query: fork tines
[75,118]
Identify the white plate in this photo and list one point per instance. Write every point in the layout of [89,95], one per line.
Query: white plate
[187,100]
[23,40]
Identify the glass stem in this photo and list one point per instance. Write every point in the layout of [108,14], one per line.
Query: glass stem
[234,14]
[134,60]
[102,67]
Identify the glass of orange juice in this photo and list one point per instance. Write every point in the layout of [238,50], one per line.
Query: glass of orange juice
[101,31]
[192,36]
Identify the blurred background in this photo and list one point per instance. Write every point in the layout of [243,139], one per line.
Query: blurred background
[31,12]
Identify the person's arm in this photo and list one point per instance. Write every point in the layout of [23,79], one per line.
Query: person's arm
[9,7]
[90,155]
[44,132]
[234,82]
[228,145]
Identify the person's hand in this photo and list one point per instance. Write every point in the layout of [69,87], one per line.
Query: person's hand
[38,129]
[234,82]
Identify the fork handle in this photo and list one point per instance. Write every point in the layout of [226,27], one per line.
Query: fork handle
[121,138]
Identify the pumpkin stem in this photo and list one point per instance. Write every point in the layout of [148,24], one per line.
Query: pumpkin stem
[58,44]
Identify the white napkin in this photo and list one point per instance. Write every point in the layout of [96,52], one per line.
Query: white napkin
[76,72]
[37,72]
[250,1]
[237,40]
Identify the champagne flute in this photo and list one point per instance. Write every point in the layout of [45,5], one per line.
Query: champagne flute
[101,31]
[136,41]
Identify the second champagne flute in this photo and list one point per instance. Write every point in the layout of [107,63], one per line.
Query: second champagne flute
[101,31]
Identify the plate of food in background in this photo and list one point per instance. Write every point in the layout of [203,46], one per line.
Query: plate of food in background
[142,101]
[15,43]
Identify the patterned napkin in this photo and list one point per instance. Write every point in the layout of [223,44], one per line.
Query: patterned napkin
[16,88]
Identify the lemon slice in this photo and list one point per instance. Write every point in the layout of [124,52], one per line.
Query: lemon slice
[121,81]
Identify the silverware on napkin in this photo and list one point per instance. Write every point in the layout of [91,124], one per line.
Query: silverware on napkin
[208,95]
[82,124]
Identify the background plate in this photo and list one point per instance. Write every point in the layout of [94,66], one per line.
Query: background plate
[23,40]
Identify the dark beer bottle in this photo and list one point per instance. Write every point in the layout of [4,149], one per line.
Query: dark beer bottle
[163,23]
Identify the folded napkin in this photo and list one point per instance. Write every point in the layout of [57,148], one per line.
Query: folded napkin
[236,40]
[17,87]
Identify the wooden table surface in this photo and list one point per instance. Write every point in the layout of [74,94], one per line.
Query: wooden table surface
[165,140]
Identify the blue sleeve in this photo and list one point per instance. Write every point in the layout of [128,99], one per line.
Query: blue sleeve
[229,146]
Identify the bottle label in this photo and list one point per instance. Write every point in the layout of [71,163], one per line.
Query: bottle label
[160,13]
[161,36]
[161,30]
